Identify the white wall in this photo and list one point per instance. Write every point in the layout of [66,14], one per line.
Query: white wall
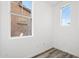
[66,38]
[27,46]
[0,31]
[47,31]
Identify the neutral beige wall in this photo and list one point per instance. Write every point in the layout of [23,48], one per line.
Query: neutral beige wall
[66,38]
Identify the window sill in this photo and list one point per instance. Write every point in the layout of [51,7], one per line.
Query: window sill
[22,37]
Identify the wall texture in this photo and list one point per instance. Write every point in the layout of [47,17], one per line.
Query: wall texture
[27,46]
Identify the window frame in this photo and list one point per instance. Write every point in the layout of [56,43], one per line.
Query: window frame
[11,13]
[68,4]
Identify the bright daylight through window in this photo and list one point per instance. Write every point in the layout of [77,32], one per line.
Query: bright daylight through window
[21,18]
[66,15]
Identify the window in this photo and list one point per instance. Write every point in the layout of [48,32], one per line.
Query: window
[21,18]
[66,15]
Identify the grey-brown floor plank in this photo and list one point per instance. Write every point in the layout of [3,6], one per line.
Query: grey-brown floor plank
[55,53]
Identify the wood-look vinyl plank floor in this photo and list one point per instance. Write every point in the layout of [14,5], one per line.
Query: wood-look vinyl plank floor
[55,53]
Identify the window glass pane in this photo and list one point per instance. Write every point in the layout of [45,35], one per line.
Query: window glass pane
[21,19]
[27,5]
[16,8]
[66,15]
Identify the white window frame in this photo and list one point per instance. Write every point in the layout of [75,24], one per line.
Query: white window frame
[67,4]
[18,37]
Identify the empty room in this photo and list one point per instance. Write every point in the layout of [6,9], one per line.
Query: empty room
[39,29]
